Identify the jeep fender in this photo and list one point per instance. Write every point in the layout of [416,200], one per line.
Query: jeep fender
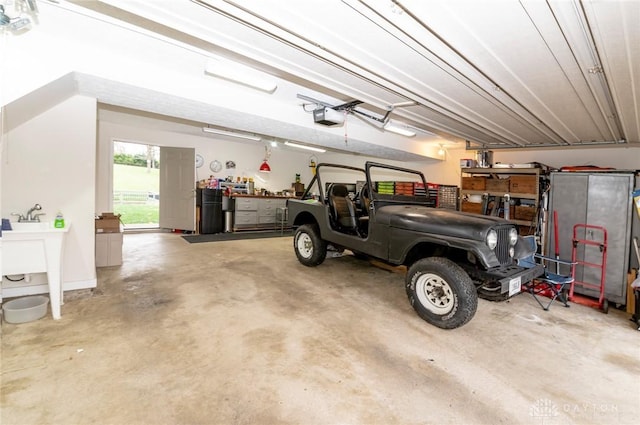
[403,242]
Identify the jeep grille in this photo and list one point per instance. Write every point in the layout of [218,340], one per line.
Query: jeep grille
[502,248]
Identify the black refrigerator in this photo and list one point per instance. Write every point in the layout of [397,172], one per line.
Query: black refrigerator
[211,216]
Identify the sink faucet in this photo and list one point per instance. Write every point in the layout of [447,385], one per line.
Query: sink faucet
[30,217]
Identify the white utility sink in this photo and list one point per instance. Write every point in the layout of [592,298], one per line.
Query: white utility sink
[39,226]
[36,248]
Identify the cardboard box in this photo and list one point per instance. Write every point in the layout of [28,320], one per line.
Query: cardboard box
[474,183]
[497,185]
[471,207]
[524,213]
[526,230]
[523,184]
[108,223]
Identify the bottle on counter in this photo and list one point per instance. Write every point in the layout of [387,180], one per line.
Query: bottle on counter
[59,221]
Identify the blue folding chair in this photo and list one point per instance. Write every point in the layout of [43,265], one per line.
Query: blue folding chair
[550,285]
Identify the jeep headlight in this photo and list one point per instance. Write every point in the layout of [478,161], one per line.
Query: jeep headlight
[492,239]
[513,236]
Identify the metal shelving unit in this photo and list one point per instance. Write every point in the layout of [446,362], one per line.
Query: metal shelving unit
[529,192]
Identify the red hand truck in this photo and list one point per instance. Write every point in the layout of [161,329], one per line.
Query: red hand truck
[601,244]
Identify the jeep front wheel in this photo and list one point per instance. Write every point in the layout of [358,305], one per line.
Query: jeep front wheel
[441,292]
[310,249]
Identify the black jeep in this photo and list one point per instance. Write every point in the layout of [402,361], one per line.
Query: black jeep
[385,212]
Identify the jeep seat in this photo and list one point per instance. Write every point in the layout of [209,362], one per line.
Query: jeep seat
[343,211]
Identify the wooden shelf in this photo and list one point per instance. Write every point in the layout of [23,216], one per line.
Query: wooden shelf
[501,170]
[533,196]
[502,173]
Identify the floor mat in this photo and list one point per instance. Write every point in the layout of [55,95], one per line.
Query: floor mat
[215,237]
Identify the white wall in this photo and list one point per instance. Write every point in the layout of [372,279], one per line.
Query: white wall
[247,155]
[285,162]
[623,158]
[50,159]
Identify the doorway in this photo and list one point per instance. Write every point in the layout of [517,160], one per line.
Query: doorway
[136,184]
[177,184]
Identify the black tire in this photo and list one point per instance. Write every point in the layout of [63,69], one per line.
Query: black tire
[310,248]
[605,306]
[441,292]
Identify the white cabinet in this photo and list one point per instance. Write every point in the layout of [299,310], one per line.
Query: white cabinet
[108,249]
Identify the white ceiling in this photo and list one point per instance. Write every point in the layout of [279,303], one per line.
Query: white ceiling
[496,74]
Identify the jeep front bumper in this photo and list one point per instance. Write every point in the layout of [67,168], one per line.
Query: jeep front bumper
[513,283]
[511,278]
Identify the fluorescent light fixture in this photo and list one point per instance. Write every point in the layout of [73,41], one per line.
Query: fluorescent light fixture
[398,130]
[404,104]
[310,148]
[238,73]
[231,134]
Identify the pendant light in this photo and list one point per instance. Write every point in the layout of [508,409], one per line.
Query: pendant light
[264,168]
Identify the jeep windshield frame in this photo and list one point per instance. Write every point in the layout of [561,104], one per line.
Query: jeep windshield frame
[317,179]
[414,175]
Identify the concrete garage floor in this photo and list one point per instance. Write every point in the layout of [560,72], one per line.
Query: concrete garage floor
[240,333]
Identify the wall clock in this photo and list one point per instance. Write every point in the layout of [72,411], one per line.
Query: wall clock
[215,166]
[199,160]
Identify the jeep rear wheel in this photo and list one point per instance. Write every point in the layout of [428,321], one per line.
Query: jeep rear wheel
[310,249]
[441,292]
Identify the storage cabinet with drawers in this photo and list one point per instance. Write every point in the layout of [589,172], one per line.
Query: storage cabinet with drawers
[256,212]
[246,213]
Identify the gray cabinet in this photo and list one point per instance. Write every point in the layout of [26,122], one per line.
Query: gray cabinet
[256,212]
[108,249]
[246,213]
[267,210]
[598,199]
